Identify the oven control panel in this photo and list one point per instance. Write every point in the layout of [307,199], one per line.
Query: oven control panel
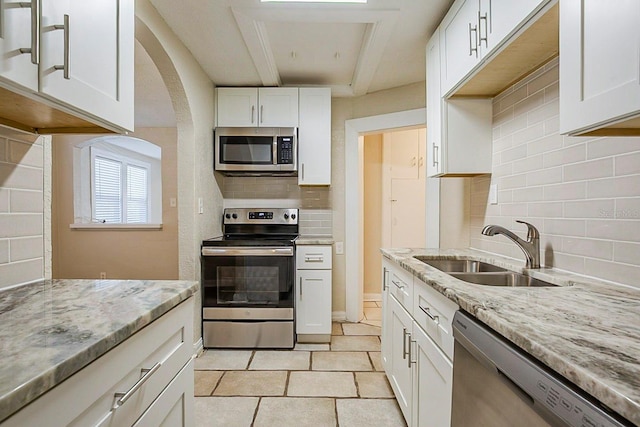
[260,216]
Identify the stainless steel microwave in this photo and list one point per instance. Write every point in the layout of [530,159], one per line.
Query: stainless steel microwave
[256,151]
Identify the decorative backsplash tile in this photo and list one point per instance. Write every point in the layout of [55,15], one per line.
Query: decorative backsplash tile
[582,193]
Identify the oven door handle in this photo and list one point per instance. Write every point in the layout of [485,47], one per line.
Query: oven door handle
[245,251]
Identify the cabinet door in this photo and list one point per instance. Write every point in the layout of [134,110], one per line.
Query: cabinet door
[313,302]
[314,137]
[498,18]
[237,107]
[86,57]
[278,106]
[175,405]
[385,336]
[459,42]
[434,107]
[18,33]
[433,378]
[600,70]
[403,153]
[400,375]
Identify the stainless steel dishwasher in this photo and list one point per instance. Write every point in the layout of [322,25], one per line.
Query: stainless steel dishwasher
[497,385]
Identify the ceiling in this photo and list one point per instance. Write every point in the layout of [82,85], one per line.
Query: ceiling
[353,48]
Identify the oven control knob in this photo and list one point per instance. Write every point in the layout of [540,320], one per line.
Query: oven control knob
[227,216]
[293,216]
[234,216]
[286,216]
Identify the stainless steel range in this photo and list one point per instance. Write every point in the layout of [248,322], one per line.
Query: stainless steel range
[248,279]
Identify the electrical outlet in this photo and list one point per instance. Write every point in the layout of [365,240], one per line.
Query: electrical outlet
[339,248]
[493,194]
[103,274]
[200,205]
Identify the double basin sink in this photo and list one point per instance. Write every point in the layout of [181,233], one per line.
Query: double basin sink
[482,273]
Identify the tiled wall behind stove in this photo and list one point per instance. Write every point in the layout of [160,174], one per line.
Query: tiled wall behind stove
[314,202]
[582,193]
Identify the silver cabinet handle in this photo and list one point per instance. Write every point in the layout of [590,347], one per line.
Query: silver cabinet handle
[302,171]
[398,285]
[385,274]
[486,29]
[262,114]
[65,66]
[301,288]
[435,154]
[473,45]
[1,19]
[404,342]
[253,112]
[409,360]
[426,311]
[35,30]
[123,397]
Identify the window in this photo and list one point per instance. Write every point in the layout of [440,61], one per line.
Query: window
[117,182]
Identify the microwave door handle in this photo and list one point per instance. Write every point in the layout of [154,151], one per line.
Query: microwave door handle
[275,150]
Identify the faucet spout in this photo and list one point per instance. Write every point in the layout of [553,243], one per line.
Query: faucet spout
[530,247]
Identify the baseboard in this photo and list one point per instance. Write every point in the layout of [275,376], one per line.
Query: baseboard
[372,297]
[198,347]
[339,316]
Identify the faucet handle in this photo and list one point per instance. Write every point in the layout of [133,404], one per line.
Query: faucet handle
[532,231]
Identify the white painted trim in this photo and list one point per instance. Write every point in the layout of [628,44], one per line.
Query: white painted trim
[372,297]
[353,206]
[338,316]
[100,226]
[198,347]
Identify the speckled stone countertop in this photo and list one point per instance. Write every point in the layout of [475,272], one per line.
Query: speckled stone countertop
[314,240]
[586,330]
[52,329]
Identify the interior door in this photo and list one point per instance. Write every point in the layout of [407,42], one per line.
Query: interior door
[408,213]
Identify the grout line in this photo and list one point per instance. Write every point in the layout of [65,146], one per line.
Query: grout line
[255,412]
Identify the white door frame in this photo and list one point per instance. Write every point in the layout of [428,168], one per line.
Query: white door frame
[353,200]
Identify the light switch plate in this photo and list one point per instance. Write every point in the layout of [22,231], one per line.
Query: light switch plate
[339,248]
[493,194]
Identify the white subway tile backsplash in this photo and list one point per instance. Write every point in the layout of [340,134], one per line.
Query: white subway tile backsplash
[26,154]
[583,193]
[26,201]
[21,272]
[3,149]
[4,251]
[19,225]
[4,200]
[27,178]
[26,248]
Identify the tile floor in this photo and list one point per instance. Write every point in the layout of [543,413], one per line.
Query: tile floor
[341,384]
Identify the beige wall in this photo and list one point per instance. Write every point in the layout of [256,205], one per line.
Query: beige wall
[23,190]
[372,206]
[582,193]
[121,254]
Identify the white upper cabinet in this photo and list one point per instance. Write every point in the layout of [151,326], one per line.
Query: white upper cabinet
[459,133]
[87,57]
[257,107]
[600,67]
[314,137]
[19,43]
[474,28]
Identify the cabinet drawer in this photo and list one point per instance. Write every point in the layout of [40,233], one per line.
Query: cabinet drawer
[88,397]
[401,287]
[433,312]
[313,257]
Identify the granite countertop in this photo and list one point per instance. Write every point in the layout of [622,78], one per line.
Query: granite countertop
[53,328]
[586,330]
[306,239]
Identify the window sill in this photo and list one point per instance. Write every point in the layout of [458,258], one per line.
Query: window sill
[98,226]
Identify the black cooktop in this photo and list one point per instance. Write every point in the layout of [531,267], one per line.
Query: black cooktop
[252,240]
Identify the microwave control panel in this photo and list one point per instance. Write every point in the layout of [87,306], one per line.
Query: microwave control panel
[285,150]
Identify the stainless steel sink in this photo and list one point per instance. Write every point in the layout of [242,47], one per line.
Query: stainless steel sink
[460,265]
[505,278]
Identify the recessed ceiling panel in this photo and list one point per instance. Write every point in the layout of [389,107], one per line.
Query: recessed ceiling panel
[315,53]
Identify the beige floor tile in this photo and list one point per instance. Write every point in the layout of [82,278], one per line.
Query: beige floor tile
[379,303]
[312,347]
[355,343]
[223,360]
[322,384]
[368,304]
[373,384]
[280,360]
[205,382]
[336,328]
[296,412]
[376,358]
[224,411]
[340,361]
[252,383]
[360,329]
[369,412]
[373,313]
[377,323]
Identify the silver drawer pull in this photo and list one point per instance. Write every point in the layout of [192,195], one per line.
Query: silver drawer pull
[313,259]
[123,397]
[429,315]
[398,285]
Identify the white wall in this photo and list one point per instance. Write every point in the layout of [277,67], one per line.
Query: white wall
[582,193]
[24,193]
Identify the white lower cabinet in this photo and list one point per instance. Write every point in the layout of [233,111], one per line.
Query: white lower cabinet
[147,380]
[313,293]
[417,350]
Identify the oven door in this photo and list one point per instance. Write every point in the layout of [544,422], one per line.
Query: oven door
[248,277]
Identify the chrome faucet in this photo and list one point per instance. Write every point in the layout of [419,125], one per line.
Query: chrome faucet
[530,247]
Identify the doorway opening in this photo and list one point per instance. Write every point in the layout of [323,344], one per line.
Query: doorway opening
[355,131]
